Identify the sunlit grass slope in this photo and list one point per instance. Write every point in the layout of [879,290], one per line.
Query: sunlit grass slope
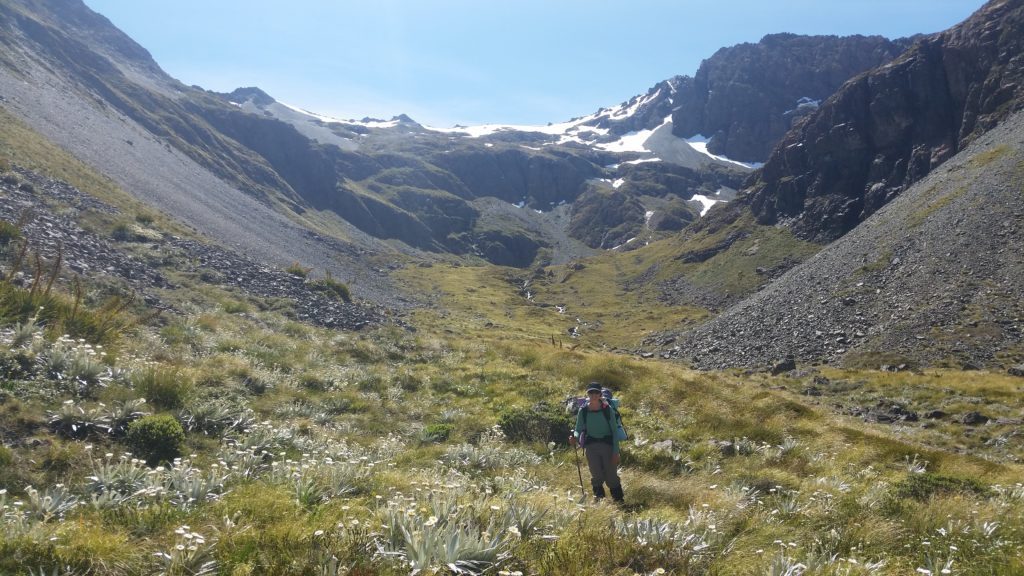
[614,300]
[311,451]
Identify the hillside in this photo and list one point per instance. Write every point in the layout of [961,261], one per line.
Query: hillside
[396,188]
[932,278]
[240,338]
[889,127]
[229,434]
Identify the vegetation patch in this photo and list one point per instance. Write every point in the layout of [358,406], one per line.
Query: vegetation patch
[333,288]
[926,485]
[156,439]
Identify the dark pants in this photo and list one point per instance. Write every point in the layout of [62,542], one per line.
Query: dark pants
[602,471]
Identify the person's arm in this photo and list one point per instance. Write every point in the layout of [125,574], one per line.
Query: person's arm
[614,430]
[579,425]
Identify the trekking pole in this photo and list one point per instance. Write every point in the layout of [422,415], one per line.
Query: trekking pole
[579,471]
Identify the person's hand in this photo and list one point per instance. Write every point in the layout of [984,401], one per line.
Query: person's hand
[572,440]
[615,459]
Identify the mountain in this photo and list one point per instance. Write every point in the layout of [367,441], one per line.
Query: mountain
[225,163]
[934,277]
[746,97]
[912,171]
[889,127]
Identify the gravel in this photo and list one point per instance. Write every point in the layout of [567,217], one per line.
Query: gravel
[30,204]
[934,277]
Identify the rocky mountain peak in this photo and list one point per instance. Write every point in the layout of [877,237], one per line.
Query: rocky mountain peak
[745,97]
[251,94]
[888,128]
[641,112]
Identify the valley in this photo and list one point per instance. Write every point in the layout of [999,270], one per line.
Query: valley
[237,337]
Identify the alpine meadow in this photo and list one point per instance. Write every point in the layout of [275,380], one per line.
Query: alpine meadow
[239,338]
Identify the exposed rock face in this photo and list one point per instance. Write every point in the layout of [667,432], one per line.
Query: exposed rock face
[886,129]
[747,96]
[605,219]
[514,175]
[648,111]
[933,277]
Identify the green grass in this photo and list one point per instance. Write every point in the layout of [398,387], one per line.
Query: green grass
[306,448]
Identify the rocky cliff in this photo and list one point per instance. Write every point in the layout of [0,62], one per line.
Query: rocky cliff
[888,128]
[932,278]
[747,96]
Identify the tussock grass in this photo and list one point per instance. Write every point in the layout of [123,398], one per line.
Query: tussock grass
[313,449]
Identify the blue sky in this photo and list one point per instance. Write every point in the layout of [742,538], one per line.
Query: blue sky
[479,61]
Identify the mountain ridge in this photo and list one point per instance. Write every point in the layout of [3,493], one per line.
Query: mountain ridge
[889,127]
[932,278]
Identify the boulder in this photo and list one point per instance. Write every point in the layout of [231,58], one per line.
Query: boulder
[974,419]
[789,363]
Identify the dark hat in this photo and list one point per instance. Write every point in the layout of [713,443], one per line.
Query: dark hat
[593,387]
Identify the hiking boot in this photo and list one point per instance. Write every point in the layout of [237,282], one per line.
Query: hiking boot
[617,494]
[598,491]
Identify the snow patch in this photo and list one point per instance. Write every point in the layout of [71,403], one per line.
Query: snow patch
[700,144]
[618,182]
[706,202]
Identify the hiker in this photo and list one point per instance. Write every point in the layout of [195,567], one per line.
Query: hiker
[595,431]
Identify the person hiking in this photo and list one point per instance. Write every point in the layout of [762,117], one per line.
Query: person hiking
[595,432]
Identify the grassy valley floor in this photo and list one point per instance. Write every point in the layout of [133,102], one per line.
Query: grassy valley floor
[227,439]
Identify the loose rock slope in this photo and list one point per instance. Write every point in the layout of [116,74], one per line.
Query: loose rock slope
[934,277]
[27,200]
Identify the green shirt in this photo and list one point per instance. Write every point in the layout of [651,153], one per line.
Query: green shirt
[597,425]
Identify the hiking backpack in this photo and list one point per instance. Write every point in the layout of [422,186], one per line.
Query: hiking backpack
[573,406]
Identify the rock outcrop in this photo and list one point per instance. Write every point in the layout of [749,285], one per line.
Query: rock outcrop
[747,96]
[934,277]
[888,128]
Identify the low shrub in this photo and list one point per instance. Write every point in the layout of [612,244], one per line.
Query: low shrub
[541,423]
[123,232]
[315,383]
[156,438]
[923,486]
[297,269]
[332,288]
[8,233]
[437,432]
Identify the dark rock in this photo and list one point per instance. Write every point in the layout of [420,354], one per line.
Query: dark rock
[784,366]
[885,412]
[736,99]
[974,419]
[935,414]
[1017,370]
[887,129]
